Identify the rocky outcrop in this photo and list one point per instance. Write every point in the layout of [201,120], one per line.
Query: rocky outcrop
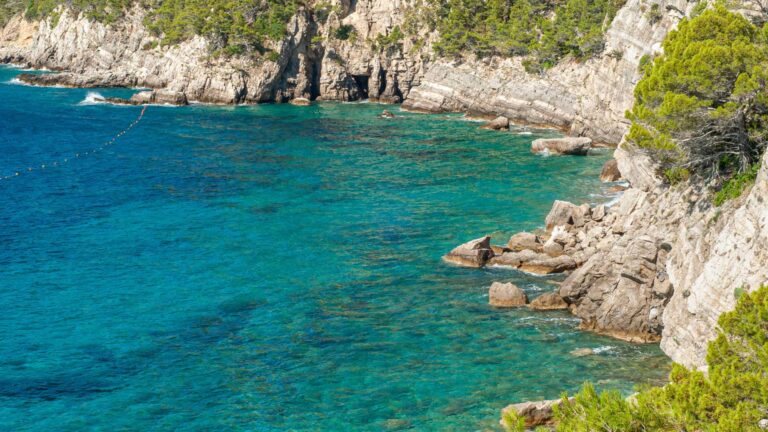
[506,295]
[126,54]
[581,98]
[562,146]
[475,253]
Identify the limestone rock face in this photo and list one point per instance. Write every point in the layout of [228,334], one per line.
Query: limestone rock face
[581,98]
[126,54]
[506,295]
[610,172]
[475,253]
[562,146]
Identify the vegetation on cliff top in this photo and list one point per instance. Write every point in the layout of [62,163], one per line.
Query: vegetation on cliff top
[733,397]
[545,31]
[701,108]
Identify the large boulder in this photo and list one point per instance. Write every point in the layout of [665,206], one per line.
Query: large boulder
[524,240]
[562,146]
[610,172]
[567,214]
[475,253]
[548,301]
[506,295]
[499,123]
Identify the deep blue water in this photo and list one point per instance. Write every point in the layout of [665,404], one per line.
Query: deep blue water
[273,268]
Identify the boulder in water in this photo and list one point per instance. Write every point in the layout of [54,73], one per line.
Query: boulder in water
[548,301]
[506,295]
[499,123]
[475,253]
[386,114]
[300,101]
[562,146]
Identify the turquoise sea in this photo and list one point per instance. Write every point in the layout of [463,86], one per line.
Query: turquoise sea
[274,268]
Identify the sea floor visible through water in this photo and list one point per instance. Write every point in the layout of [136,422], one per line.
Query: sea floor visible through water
[273,268]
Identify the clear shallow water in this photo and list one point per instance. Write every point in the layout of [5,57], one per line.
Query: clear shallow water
[274,268]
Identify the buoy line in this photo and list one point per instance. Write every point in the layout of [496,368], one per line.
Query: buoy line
[79,154]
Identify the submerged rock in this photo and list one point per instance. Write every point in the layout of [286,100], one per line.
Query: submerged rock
[386,114]
[582,352]
[562,146]
[506,295]
[475,253]
[160,97]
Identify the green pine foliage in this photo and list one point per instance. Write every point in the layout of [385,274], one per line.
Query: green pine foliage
[545,30]
[735,186]
[732,397]
[701,108]
[231,26]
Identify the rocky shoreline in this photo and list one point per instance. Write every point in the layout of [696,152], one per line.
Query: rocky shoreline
[660,265]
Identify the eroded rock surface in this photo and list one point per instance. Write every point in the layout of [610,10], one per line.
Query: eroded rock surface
[562,146]
[506,295]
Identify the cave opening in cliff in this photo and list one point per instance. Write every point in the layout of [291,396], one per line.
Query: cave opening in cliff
[314,84]
[362,85]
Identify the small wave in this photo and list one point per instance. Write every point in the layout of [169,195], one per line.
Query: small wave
[16,81]
[524,133]
[602,349]
[92,98]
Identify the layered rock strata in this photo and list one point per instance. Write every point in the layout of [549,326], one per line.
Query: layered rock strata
[126,54]
[581,98]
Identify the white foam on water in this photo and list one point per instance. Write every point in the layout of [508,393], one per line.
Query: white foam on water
[602,349]
[92,98]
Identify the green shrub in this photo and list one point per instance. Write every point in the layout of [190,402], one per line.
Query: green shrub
[735,186]
[344,32]
[733,397]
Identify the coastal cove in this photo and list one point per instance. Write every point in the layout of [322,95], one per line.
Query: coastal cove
[276,267]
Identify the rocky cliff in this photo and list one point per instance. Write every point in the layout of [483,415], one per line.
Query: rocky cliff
[309,62]
[583,99]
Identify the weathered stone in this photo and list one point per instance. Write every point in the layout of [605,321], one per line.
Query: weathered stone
[562,146]
[567,214]
[475,253]
[524,240]
[610,172]
[544,264]
[386,114]
[506,295]
[536,413]
[548,301]
[598,213]
[553,249]
[499,123]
